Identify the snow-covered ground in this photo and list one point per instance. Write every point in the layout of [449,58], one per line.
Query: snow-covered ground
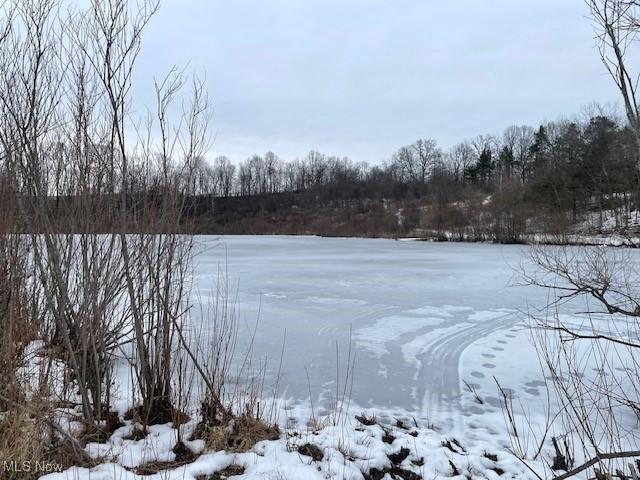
[606,221]
[432,327]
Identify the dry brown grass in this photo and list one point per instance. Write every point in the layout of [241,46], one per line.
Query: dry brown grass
[26,438]
[228,472]
[239,435]
[22,439]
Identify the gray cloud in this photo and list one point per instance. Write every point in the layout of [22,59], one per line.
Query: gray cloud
[363,77]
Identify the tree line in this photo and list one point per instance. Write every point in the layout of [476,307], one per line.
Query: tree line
[568,166]
[560,170]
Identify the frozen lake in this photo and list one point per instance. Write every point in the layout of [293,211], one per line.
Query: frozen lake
[422,316]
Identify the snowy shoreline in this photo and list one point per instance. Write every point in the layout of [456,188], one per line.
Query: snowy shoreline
[572,240]
[360,447]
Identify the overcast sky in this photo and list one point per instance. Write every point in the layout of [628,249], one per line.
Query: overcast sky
[361,78]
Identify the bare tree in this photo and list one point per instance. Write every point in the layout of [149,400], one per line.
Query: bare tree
[617,25]
[461,157]
[316,166]
[273,172]
[417,161]
[520,139]
[224,173]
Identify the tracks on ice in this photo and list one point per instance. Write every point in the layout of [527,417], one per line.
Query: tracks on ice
[433,351]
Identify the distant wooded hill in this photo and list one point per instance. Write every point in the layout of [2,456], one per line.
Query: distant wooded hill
[557,178]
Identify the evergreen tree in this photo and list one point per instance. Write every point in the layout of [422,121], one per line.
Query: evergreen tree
[507,161]
[484,167]
[540,150]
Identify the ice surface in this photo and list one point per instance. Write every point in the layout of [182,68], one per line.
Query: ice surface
[411,308]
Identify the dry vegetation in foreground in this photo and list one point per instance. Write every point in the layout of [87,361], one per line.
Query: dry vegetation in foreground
[74,302]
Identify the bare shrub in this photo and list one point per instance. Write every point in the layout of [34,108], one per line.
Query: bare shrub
[509,214]
[449,222]
[17,324]
[591,357]
[102,268]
